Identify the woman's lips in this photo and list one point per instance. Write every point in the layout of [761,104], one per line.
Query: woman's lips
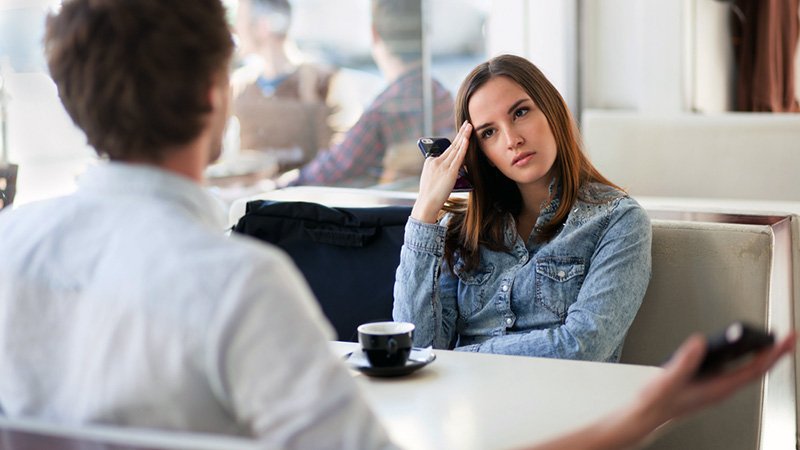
[522,158]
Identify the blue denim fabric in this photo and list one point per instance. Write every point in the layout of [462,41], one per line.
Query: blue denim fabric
[573,297]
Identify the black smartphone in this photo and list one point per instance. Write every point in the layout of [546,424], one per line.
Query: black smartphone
[433,147]
[736,341]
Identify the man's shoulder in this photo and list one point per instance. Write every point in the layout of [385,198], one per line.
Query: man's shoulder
[252,258]
[33,214]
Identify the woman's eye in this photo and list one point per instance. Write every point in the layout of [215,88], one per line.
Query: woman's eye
[520,112]
[485,134]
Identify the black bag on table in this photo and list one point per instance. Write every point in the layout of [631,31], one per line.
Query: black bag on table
[348,255]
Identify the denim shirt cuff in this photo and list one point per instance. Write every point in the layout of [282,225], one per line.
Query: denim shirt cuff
[469,348]
[425,237]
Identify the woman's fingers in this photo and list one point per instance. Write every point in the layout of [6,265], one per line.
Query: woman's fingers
[454,155]
[439,176]
[447,165]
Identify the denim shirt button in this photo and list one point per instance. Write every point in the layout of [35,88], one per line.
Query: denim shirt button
[509,320]
[504,288]
[561,274]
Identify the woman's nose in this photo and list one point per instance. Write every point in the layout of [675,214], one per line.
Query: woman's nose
[513,139]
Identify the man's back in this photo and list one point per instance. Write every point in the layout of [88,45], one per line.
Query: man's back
[126,304]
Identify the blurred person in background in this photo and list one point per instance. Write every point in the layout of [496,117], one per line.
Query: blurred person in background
[282,102]
[381,146]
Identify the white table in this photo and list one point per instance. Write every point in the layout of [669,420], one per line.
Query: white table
[476,401]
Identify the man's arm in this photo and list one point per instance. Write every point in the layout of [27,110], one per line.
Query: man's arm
[363,147]
[672,395]
[269,362]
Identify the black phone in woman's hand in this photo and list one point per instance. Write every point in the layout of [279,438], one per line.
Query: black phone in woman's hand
[736,341]
[435,146]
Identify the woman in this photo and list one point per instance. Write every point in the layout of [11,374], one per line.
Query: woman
[546,257]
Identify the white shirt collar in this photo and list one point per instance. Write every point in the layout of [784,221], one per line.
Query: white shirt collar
[117,178]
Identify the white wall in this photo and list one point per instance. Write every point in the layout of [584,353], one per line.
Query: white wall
[544,31]
[659,56]
[658,88]
[712,57]
[634,55]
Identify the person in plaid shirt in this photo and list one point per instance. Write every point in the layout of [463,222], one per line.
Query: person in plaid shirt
[396,115]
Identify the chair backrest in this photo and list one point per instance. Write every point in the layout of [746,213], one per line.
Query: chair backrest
[705,276]
[39,434]
[348,255]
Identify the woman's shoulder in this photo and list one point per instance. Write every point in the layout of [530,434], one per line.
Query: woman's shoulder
[601,199]
[597,193]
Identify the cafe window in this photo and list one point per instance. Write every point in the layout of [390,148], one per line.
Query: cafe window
[338,93]
[320,69]
[36,134]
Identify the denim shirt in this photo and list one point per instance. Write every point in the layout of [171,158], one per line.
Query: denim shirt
[573,297]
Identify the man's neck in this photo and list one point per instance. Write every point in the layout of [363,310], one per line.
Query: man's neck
[276,62]
[188,161]
[391,67]
[189,168]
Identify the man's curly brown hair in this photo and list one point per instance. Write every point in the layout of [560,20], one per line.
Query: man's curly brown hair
[135,74]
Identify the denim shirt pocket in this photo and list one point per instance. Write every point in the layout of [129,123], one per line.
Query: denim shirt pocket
[472,289]
[558,281]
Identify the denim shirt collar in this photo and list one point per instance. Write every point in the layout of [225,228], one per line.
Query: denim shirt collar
[547,211]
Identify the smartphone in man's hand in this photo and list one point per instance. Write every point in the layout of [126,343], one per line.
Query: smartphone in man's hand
[435,146]
[732,344]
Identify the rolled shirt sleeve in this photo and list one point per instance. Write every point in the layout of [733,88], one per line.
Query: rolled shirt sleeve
[422,295]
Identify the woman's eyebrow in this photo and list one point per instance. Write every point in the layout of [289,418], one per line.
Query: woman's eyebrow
[476,129]
[516,104]
[510,110]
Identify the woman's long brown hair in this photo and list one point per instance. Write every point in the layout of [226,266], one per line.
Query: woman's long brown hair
[481,219]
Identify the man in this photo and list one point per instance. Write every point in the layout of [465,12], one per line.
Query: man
[125,304]
[394,120]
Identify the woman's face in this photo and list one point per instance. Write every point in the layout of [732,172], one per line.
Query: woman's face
[513,132]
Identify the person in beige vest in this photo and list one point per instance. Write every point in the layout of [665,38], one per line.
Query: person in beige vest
[280,101]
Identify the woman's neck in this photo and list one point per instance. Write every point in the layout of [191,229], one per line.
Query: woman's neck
[533,197]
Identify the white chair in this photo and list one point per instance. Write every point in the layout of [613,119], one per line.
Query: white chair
[710,270]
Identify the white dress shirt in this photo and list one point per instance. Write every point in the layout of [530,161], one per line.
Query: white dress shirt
[126,304]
